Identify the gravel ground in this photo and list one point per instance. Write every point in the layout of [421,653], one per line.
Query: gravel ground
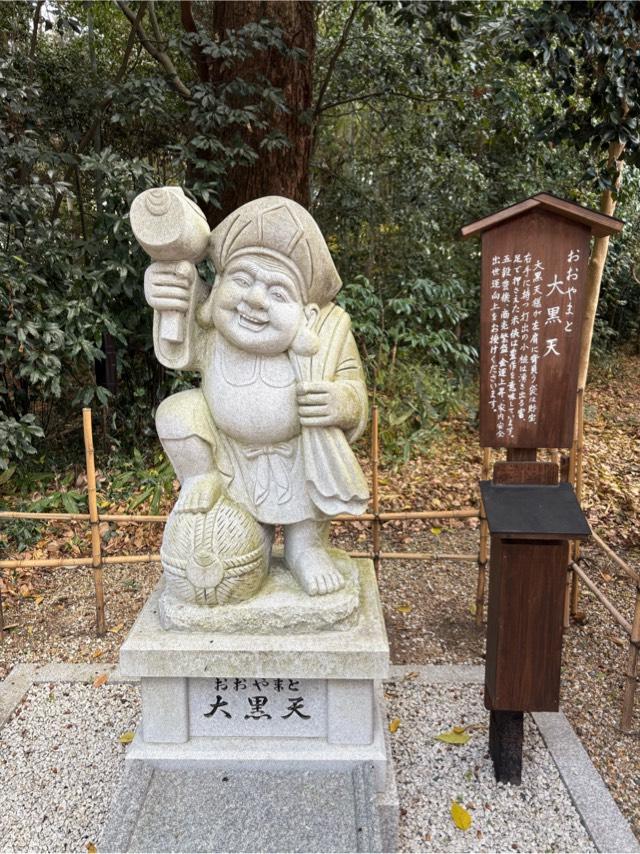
[536,816]
[429,610]
[61,761]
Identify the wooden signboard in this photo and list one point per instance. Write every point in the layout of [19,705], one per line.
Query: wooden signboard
[532,305]
[534,275]
[534,269]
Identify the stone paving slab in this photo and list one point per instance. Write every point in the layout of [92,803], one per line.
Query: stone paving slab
[599,812]
[267,811]
[13,689]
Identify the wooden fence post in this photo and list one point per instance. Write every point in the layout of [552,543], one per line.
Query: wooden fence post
[483,552]
[575,581]
[96,546]
[631,673]
[375,492]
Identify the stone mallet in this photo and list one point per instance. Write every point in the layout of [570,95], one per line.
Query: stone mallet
[170,227]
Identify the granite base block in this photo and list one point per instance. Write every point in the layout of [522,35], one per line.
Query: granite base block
[275,753]
[283,693]
[159,810]
[283,727]
[360,652]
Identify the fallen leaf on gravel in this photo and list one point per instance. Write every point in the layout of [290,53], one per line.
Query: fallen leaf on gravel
[91,848]
[412,675]
[11,626]
[100,680]
[116,629]
[37,600]
[618,641]
[404,609]
[456,736]
[436,531]
[394,724]
[97,653]
[126,737]
[460,816]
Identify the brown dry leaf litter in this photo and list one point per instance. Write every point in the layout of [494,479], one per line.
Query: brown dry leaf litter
[429,606]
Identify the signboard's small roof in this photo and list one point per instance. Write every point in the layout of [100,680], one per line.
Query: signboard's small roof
[600,224]
[533,511]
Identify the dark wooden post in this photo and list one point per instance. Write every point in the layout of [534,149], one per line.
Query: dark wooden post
[534,265]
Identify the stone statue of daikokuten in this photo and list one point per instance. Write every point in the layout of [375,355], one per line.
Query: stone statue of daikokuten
[265,439]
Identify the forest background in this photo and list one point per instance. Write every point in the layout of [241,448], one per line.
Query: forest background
[396,123]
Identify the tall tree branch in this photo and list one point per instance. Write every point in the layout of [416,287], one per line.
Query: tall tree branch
[342,43]
[189,26]
[34,31]
[160,40]
[119,76]
[597,261]
[89,134]
[387,93]
[161,56]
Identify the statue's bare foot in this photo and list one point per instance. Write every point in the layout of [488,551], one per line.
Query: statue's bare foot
[199,493]
[315,571]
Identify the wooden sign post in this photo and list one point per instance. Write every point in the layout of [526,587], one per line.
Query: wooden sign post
[534,269]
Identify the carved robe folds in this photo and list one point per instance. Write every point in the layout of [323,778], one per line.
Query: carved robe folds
[281,472]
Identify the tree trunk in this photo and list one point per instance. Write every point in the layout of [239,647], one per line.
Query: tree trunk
[285,171]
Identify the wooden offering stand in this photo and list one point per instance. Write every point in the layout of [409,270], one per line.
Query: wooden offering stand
[531,519]
[534,274]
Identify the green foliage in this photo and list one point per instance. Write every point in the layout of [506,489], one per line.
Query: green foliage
[427,116]
[136,481]
[423,129]
[201,134]
[618,321]
[61,497]
[589,52]
[414,393]
[150,483]
[422,320]
[71,271]
[16,439]
[414,399]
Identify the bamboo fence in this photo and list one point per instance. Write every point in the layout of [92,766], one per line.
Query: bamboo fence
[571,469]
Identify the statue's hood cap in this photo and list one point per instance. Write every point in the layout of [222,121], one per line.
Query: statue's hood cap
[284,229]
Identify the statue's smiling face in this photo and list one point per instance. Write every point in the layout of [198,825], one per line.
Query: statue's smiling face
[257,305]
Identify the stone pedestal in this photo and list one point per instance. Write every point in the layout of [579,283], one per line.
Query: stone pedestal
[275,701]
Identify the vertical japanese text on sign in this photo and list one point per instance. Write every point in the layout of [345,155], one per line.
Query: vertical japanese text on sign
[533,289]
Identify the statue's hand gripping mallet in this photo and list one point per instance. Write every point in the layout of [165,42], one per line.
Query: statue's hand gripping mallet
[170,228]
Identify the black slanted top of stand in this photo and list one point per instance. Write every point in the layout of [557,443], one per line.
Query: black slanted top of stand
[532,511]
